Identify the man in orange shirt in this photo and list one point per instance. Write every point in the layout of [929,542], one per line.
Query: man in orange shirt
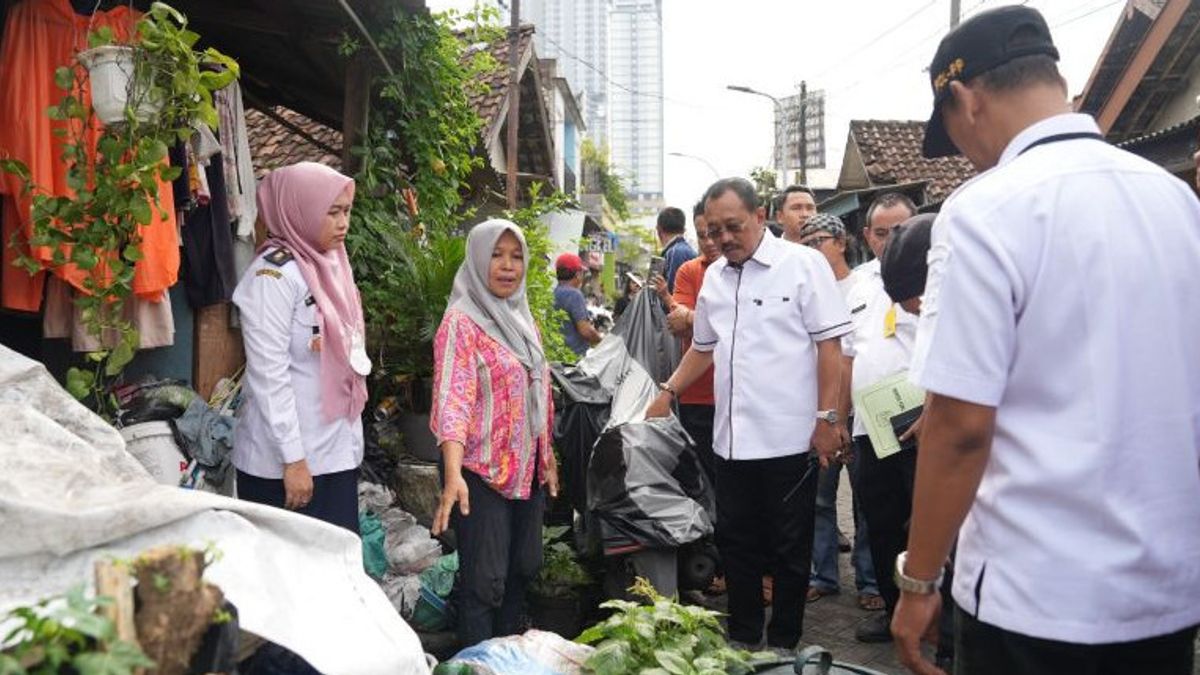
[696,403]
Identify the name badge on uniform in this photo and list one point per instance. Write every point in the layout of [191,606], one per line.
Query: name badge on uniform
[889,322]
[359,361]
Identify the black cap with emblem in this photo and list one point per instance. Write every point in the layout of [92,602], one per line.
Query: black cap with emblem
[976,46]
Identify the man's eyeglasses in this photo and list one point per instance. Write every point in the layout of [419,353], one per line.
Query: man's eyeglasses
[714,233]
[816,242]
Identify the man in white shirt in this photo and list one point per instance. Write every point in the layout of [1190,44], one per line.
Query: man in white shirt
[879,347]
[768,318]
[1058,344]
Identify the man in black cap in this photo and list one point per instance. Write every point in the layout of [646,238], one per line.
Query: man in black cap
[904,264]
[1057,344]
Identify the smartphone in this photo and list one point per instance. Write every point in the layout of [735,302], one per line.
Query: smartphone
[657,266]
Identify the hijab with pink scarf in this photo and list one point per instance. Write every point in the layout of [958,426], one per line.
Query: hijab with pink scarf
[293,201]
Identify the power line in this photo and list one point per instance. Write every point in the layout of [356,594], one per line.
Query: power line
[841,62]
[603,74]
[1087,13]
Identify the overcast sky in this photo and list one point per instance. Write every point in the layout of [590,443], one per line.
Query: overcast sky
[868,55]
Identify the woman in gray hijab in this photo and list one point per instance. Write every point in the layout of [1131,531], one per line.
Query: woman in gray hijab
[492,416]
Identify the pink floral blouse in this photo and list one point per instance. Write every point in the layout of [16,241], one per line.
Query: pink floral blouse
[479,401]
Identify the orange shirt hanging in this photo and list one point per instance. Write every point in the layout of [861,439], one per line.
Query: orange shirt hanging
[40,36]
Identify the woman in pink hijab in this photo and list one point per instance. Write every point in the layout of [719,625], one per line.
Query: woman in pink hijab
[299,440]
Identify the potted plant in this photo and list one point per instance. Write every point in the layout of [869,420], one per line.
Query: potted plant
[158,75]
[94,231]
[556,595]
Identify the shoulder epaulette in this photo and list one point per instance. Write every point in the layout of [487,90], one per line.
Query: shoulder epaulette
[278,257]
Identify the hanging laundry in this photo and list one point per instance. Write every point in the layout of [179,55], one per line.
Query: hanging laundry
[62,318]
[40,36]
[208,262]
[241,185]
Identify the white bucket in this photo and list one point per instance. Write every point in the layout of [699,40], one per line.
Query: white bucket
[110,69]
[152,444]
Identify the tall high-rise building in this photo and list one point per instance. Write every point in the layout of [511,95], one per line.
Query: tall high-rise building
[575,33]
[635,97]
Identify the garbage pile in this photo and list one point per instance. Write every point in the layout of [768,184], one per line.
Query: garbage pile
[405,559]
[180,438]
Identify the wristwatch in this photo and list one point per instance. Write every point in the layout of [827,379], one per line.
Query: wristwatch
[911,585]
[830,416]
[666,386]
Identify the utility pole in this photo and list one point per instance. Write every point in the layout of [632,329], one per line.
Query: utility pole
[803,133]
[514,103]
[955,6]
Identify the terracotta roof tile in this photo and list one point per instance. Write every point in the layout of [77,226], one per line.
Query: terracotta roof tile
[891,153]
[273,144]
[488,102]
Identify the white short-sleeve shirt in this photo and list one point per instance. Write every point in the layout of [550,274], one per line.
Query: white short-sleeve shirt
[880,346]
[762,321]
[281,420]
[1062,291]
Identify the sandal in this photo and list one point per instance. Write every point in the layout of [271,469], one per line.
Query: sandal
[870,602]
[815,593]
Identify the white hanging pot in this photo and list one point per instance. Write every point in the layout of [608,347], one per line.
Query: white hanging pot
[110,72]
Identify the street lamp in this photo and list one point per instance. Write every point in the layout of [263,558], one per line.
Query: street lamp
[780,154]
[716,174]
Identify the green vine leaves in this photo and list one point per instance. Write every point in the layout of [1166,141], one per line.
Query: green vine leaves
[93,234]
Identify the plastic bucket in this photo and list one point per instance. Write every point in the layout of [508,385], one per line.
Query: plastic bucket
[152,444]
[110,69]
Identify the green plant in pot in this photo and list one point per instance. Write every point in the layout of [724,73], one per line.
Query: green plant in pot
[93,234]
[556,595]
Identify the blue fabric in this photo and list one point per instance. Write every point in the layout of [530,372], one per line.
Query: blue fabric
[825,540]
[674,255]
[571,300]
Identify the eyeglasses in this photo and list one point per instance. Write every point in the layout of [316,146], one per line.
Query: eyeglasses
[816,242]
[714,233]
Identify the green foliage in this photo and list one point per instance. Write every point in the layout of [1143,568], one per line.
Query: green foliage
[662,637]
[539,273]
[596,163]
[60,635]
[561,574]
[636,244]
[97,228]
[405,285]
[424,131]
[764,180]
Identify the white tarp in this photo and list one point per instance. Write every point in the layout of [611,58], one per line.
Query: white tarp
[70,494]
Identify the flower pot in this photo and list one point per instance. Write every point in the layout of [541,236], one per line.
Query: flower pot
[110,73]
[562,614]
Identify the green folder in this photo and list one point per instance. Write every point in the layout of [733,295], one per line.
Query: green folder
[878,403]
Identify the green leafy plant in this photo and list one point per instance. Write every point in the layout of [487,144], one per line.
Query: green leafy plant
[539,274]
[600,176]
[96,229]
[561,574]
[662,637]
[60,635]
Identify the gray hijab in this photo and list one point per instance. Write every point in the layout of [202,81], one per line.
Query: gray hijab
[507,321]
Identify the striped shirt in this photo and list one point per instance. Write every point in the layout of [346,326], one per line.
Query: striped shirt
[479,400]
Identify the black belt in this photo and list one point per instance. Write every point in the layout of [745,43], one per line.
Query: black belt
[1061,137]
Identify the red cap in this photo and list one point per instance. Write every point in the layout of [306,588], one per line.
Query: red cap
[568,261]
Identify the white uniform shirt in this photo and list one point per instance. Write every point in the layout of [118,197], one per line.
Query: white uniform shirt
[762,321]
[878,353]
[1062,292]
[281,420]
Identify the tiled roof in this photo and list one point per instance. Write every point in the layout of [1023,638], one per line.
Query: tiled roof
[273,144]
[891,153]
[489,101]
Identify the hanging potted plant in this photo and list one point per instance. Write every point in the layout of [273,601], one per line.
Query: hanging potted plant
[94,231]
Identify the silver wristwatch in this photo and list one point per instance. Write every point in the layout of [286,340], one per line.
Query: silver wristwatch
[830,416]
[911,585]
